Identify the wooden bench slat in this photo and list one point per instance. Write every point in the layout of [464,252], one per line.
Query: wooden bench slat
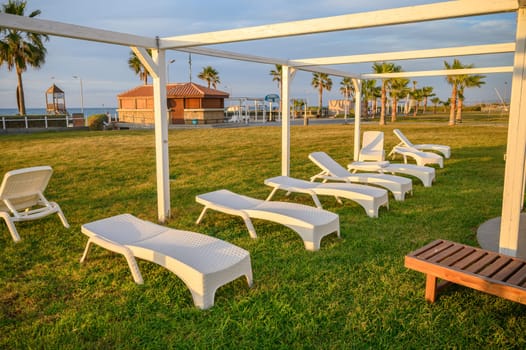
[458,256]
[431,249]
[507,271]
[519,277]
[495,266]
[454,248]
[482,263]
[470,259]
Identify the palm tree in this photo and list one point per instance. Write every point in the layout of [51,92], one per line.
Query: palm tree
[454,81]
[368,93]
[376,93]
[384,67]
[276,76]
[398,89]
[21,49]
[466,81]
[210,75]
[417,96]
[435,101]
[135,64]
[321,81]
[347,90]
[427,91]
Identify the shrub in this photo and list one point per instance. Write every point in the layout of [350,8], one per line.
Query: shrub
[96,121]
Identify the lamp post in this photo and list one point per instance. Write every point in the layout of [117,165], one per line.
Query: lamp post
[81,94]
[168,70]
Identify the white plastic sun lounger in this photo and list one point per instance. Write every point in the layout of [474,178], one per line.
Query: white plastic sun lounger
[420,157]
[22,197]
[370,198]
[331,170]
[311,224]
[404,142]
[426,174]
[202,262]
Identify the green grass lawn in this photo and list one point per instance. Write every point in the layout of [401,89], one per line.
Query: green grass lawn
[353,293]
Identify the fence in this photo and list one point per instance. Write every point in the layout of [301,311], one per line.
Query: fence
[41,121]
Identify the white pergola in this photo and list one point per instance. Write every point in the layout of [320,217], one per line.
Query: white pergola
[197,43]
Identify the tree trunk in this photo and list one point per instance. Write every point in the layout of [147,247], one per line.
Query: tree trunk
[459,111]
[20,94]
[453,105]
[393,112]
[320,101]
[382,102]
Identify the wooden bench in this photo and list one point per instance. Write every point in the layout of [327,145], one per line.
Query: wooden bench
[486,271]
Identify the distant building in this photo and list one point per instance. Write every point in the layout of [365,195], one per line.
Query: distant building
[188,103]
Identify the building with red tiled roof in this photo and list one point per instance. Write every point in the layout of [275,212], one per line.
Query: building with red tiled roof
[187,103]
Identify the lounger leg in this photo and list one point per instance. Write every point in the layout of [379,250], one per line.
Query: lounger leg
[117,248]
[200,218]
[203,301]
[250,226]
[431,288]
[62,217]
[10,226]
[272,193]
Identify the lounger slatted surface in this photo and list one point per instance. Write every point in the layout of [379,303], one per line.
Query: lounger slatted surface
[486,271]
[311,224]
[202,262]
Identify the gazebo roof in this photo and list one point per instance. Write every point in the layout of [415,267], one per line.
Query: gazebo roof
[53,89]
[176,90]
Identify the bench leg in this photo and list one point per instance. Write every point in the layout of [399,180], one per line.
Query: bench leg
[431,288]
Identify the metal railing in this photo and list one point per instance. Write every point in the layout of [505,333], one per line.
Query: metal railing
[44,121]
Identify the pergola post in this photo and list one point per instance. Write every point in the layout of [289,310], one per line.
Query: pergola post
[357,116]
[516,148]
[161,136]
[285,120]
[156,66]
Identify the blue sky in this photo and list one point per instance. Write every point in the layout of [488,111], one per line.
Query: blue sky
[105,72]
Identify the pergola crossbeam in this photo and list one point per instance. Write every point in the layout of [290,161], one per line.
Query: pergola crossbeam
[410,14]
[440,72]
[74,31]
[407,55]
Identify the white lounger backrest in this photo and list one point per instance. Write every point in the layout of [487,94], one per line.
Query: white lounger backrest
[402,138]
[373,140]
[325,162]
[23,187]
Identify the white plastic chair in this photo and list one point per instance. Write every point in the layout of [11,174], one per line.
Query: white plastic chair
[22,197]
[372,146]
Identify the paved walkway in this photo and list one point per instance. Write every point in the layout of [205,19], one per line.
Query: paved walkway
[488,235]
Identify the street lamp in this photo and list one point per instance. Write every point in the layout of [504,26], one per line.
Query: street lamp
[168,70]
[81,94]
